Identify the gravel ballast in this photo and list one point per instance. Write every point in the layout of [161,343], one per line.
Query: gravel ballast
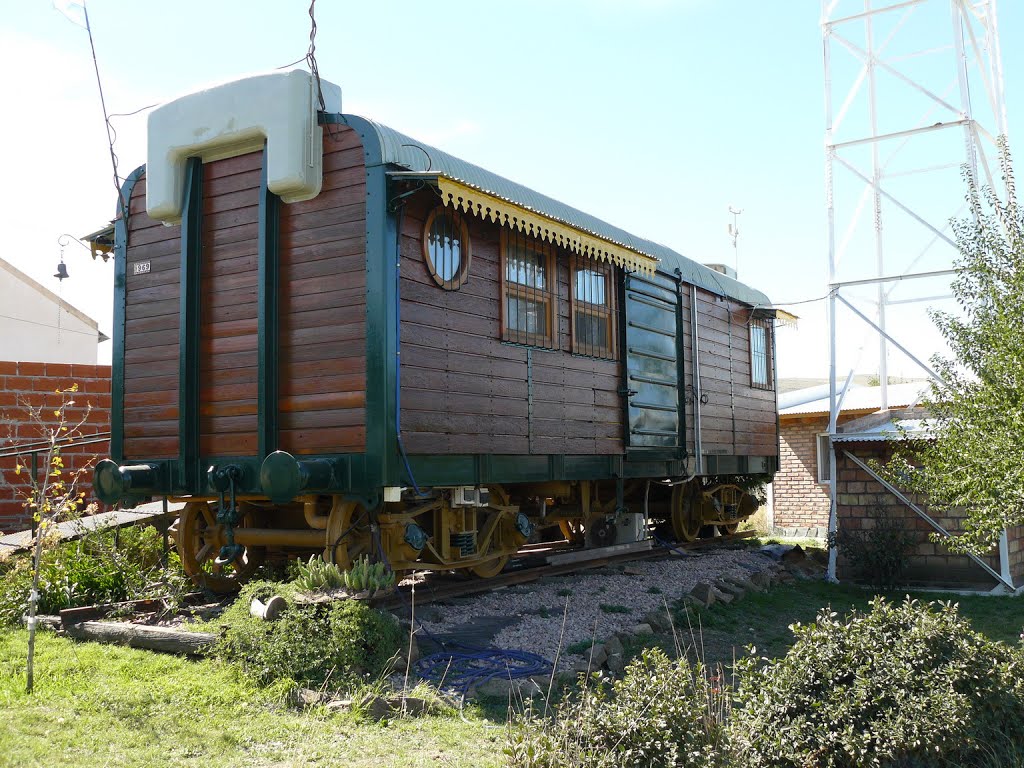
[595,604]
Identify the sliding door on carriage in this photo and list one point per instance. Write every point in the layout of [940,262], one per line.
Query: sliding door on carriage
[652,363]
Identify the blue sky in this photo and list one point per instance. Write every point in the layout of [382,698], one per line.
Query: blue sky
[654,114]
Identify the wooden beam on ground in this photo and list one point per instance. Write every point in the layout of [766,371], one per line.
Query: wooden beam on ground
[163,639]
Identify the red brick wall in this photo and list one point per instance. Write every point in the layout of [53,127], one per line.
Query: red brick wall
[930,564]
[25,385]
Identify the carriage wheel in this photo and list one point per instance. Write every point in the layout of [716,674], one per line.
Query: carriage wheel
[348,534]
[572,530]
[687,512]
[744,505]
[491,568]
[199,539]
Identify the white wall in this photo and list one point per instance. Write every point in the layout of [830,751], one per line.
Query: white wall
[35,326]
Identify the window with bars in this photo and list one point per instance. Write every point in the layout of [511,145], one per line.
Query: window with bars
[594,318]
[762,374]
[446,248]
[529,290]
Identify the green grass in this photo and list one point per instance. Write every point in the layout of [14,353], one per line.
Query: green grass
[97,705]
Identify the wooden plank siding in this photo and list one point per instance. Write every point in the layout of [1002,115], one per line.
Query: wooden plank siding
[738,419]
[228,339]
[151,335]
[322,332]
[322,340]
[465,391]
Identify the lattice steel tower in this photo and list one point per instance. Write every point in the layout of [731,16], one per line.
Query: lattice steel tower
[913,92]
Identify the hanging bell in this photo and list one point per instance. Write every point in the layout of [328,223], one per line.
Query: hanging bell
[62,271]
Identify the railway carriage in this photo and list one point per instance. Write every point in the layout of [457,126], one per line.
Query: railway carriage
[330,337]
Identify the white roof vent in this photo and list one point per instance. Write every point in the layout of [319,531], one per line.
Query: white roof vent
[233,119]
[724,269]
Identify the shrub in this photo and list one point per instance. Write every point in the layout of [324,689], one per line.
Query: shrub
[878,554]
[662,712]
[102,567]
[900,685]
[314,644]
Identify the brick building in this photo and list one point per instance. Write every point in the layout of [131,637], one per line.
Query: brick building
[800,492]
[861,495]
[25,386]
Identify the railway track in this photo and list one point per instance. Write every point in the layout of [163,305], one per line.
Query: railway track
[531,564]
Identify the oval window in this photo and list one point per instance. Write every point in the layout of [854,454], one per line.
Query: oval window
[446,249]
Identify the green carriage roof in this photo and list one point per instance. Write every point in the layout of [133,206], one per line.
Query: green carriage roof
[415,157]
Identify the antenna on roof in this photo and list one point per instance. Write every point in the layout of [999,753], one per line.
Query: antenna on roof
[734,233]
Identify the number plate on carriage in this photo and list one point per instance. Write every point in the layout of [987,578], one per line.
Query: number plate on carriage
[140,267]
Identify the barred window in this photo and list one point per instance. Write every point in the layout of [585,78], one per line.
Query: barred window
[762,373]
[446,249]
[529,290]
[594,316]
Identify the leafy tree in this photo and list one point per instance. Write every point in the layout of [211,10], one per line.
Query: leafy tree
[975,460]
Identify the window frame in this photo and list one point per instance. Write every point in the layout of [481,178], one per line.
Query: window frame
[824,464]
[767,325]
[461,277]
[548,296]
[607,311]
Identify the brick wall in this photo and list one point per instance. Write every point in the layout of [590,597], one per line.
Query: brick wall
[930,564]
[800,501]
[25,385]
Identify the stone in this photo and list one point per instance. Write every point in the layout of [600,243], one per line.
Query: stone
[743,583]
[642,629]
[410,705]
[616,663]
[307,697]
[613,646]
[376,707]
[502,687]
[339,705]
[658,620]
[762,579]
[795,555]
[585,666]
[528,688]
[692,602]
[704,593]
[598,657]
[497,687]
[730,589]
[722,597]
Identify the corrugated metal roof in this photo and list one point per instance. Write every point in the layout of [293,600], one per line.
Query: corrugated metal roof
[408,153]
[891,430]
[857,399]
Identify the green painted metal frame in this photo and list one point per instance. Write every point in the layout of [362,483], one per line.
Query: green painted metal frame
[268,316]
[188,330]
[120,298]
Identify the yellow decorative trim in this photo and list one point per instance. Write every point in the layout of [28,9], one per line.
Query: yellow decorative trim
[484,205]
